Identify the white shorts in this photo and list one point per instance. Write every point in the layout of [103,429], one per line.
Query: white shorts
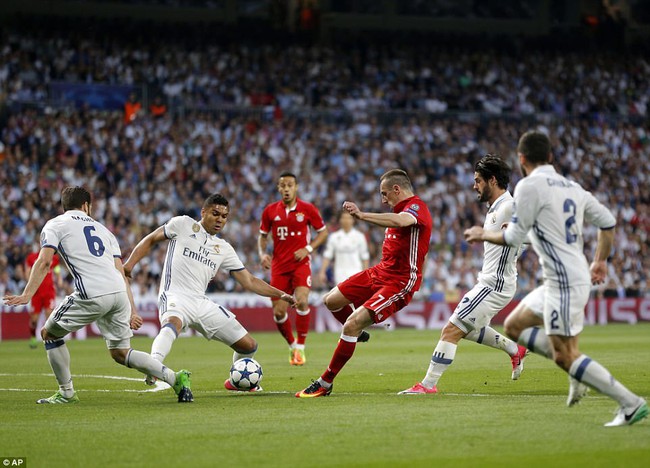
[563,311]
[211,320]
[478,306]
[534,301]
[111,312]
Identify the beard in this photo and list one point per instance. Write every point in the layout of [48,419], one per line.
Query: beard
[484,196]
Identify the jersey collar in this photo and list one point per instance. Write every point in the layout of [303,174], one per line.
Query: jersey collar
[505,195]
[546,168]
[397,208]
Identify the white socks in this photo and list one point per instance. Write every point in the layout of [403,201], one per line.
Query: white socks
[146,364]
[442,358]
[488,336]
[536,340]
[162,344]
[590,372]
[59,358]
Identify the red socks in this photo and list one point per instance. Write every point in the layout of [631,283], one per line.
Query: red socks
[284,327]
[342,354]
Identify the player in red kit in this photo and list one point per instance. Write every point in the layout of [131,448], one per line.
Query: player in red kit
[43,300]
[382,290]
[288,221]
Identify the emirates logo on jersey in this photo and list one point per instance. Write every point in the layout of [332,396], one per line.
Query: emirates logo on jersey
[300,217]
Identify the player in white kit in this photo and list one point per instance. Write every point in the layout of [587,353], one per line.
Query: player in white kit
[497,283]
[194,255]
[348,248]
[553,209]
[102,295]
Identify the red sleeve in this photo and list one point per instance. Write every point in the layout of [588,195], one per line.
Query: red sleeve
[55,261]
[31,259]
[265,224]
[415,208]
[315,219]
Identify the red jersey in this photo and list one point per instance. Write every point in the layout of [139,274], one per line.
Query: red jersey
[405,248]
[47,286]
[290,231]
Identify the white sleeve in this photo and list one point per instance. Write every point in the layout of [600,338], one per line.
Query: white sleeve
[363,249]
[173,227]
[524,212]
[597,214]
[329,247]
[231,261]
[115,246]
[50,236]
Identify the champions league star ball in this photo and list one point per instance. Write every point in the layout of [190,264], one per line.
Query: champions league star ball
[245,373]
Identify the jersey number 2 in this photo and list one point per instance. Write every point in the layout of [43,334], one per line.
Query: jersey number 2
[570,207]
[95,244]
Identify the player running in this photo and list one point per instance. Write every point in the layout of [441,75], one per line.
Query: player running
[382,290]
[194,255]
[289,221]
[102,295]
[553,209]
[497,283]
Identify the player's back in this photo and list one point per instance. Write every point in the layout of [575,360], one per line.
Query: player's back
[88,249]
[562,206]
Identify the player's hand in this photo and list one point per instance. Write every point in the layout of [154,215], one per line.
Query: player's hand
[474,234]
[127,270]
[136,321]
[598,272]
[266,261]
[289,298]
[11,300]
[300,254]
[352,208]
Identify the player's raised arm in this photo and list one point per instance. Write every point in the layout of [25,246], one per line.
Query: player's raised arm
[253,284]
[380,219]
[143,248]
[37,274]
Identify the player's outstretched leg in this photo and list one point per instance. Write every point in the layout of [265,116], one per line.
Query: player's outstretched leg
[488,336]
[161,347]
[59,359]
[442,358]
[143,362]
[577,391]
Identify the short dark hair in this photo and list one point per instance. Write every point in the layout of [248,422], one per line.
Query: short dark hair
[535,146]
[215,199]
[397,177]
[73,198]
[492,165]
[288,174]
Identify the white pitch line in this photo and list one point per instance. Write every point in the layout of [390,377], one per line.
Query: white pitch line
[159,385]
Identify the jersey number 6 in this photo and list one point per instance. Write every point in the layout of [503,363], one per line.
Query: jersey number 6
[95,244]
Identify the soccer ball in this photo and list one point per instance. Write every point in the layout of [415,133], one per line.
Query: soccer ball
[245,373]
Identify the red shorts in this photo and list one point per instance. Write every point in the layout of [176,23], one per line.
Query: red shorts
[41,302]
[380,298]
[288,282]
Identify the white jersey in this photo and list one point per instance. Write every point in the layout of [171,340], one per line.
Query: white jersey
[554,209]
[194,257]
[499,270]
[89,250]
[349,250]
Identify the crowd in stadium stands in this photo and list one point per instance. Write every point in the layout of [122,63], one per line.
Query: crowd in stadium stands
[435,78]
[148,170]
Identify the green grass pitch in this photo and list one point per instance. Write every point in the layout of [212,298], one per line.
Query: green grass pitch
[480,418]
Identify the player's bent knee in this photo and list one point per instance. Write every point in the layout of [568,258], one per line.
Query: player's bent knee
[247,345]
[119,355]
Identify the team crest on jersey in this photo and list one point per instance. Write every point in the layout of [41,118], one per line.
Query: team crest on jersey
[300,217]
[216,249]
[196,228]
[494,218]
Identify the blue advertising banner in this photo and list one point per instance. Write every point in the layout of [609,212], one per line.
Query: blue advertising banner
[97,96]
